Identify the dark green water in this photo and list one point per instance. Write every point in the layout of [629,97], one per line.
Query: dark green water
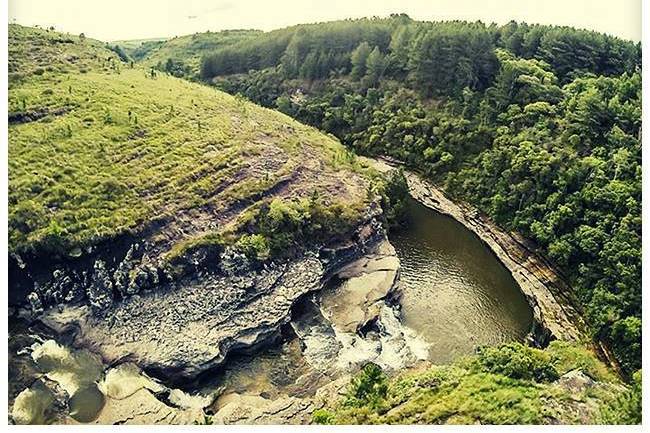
[455,292]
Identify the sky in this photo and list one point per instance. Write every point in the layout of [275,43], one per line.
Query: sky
[139,19]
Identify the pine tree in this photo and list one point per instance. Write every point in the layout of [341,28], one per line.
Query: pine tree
[290,58]
[399,49]
[358,59]
[375,66]
[309,68]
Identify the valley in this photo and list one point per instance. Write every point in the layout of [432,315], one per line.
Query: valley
[380,240]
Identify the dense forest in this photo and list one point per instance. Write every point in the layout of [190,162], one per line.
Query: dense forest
[538,126]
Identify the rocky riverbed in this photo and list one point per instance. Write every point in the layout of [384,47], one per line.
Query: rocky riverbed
[267,345]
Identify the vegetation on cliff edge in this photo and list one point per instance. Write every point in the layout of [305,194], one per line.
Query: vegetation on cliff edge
[508,384]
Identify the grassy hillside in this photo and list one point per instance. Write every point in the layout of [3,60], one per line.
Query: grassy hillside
[97,148]
[510,384]
[181,55]
[34,52]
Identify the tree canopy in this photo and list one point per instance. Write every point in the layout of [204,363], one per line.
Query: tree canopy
[538,126]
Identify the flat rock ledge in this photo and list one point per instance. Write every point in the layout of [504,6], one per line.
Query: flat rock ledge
[183,329]
[542,284]
[368,282]
[284,410]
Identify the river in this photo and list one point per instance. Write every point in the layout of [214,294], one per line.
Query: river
[455,292]
[455,295]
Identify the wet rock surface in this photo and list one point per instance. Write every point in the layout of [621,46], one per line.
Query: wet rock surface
[73,386]
[178,332]
[357,321]
[367,282]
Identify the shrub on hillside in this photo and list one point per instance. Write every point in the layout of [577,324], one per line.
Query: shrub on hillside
[517,362]
[368,388]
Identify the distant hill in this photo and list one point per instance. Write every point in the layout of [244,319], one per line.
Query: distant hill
[137,49]
[33,52]
[132,44]
[181,55]
[440,57]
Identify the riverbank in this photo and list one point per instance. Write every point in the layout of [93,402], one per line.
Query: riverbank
[547,292]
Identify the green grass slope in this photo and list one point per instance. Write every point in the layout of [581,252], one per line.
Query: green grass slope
[97,149]
[34,52]
[509,384]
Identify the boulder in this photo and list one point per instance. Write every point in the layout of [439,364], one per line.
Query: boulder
[576,382]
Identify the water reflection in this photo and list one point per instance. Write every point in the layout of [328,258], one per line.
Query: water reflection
[455,292]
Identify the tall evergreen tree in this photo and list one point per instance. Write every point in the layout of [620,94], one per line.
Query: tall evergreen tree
[358,59]
[375,66]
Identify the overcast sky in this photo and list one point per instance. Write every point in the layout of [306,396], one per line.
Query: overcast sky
[134,19]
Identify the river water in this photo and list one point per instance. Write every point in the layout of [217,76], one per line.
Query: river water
[455,292]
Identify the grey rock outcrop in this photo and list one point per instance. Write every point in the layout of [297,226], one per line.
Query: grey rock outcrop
[35,303]
[576,381]
[254,409]
[100,290]
[187,326]
[122,275]
[180,331]
[100,285]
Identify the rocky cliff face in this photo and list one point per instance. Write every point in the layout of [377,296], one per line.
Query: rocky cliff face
[180,327]
[555,316]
